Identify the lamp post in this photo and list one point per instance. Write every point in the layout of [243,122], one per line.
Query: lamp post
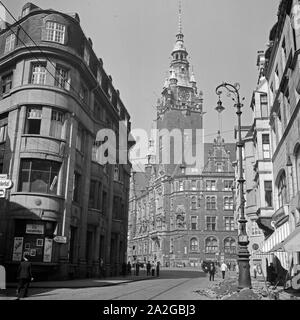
[243,240]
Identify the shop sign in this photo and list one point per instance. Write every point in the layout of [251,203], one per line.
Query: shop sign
[17,249]
[2,193]
[48,250]
[60,239]
[6,184]
[35,228]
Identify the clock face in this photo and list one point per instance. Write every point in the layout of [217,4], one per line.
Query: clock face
[184,94]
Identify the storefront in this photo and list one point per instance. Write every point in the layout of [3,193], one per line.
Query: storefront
[34,238]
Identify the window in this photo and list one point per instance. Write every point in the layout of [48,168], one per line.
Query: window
[210,185]
[228,203]
[193,202]
[194,223]
[181,186]
[230,246]
[268,194]
[92,194]
[10,43]
[116,173]
[229,223]
[83,93]
[6,83]
[76,187]
[33,121]
[211,223]
[282,193]
[211,203]
[266,146]
[86,55]
[97,109]
[38,75]
[194,244]
[194,185]
[57,123]
[99,76]
[55,32]
[228,185]
[255,230]
[219,166]
[62,78]
[104,202]
[264,105]
[3,133]
[171,245]
[211,245]
[79,139]
[38,176]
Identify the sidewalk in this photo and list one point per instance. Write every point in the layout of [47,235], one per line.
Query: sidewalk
[83,283]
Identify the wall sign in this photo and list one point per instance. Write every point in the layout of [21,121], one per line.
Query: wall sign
[48,250]
[35,228]
[18,249]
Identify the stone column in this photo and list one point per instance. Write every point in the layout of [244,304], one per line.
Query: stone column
[68,180]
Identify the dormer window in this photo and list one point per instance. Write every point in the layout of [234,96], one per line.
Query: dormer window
[25,12]
[86,55]
[10,43]
[55,32]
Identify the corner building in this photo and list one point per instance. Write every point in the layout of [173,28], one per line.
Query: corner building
[65,209]
[182,214]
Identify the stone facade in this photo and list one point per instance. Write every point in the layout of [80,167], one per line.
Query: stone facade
[55,97]
[181,213]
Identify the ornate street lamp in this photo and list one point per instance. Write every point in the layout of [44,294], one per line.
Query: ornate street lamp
[243,240]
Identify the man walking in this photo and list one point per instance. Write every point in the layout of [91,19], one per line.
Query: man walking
[157,268]
[212,271]
[148,266]
[223,269]
[24,276]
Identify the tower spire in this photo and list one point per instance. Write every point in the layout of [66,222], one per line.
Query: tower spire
[179,18]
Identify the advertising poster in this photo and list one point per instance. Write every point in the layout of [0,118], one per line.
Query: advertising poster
[18,249]
[48,250]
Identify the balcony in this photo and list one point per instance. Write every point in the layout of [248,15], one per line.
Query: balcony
[41,205]
[42,144]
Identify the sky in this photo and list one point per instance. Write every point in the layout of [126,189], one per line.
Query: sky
[135,38]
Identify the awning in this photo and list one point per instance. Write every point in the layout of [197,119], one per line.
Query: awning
[290,244]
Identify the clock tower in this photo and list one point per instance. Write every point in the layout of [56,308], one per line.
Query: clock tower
[180,106]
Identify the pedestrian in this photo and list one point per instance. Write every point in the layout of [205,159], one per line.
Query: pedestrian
[212,271]
[101,268]
[153,268]
[157,268]
[129,268]
[24,277]
[223,269]
[148,267]
[137,268]
[255,271]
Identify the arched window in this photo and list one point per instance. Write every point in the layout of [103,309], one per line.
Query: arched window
[297,162]
[229,246]
[211,245]
[194,244]
[281,188]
